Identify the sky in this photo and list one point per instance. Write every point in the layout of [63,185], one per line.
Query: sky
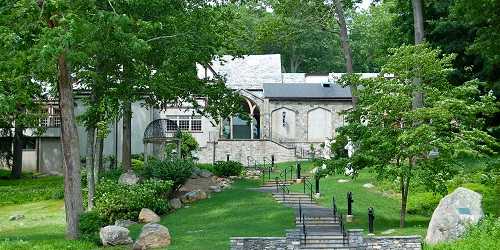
[365,4]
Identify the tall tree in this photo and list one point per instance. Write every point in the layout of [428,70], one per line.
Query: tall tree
[346,47]
[404,143]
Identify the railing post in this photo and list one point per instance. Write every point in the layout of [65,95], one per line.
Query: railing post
[269,170]
[317,185]
[285,174]
[277,185]
[272,161]
[291,172]
[227,157]
[334,207]
[304,229]
[371,218]
[300,212]
[349,203]
[298,170]
[304,181]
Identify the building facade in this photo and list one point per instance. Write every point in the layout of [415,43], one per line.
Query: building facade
[291,113]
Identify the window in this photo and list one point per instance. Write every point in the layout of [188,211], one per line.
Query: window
[53,118]
[184,123]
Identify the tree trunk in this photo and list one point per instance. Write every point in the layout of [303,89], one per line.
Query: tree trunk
[127,137]
[17,167]
[418,21]
[418,25]
[71,151]
[346,47]
[98,159]
[89,163]
[404,185]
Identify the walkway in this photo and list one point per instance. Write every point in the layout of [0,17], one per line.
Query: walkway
[322,229]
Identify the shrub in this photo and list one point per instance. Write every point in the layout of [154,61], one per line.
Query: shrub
[176,170]
[137,165]
[207,166]
[423,203]
[115,201]
[228,168]
[90,223]
[188,145]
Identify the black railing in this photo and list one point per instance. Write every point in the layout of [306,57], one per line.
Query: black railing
[304,232]
[308,187]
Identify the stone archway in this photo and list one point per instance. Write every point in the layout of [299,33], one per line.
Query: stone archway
[239,128]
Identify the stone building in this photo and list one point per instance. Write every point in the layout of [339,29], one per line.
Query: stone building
[291,114]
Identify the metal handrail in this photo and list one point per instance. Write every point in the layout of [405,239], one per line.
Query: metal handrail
[304,229]
[308,185]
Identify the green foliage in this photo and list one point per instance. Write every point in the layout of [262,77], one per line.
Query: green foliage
[207,166]
[30,189]
[90,223]
[228,168]
[423,203]
[176,170]
[188,145]
[485,235]
[114,201]
[137,165]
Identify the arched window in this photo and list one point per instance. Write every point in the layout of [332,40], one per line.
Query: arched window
[240,128]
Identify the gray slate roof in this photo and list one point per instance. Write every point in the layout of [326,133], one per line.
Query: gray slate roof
[292,91]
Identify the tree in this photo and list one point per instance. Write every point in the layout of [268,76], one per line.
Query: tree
[405,143]
[346,47]
[20,96]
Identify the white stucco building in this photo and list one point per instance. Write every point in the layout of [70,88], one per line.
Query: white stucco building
[290,112]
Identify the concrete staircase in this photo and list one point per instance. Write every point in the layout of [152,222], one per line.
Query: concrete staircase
[322,229]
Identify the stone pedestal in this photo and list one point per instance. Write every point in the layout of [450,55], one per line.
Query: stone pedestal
[298,181]
[317,195]
[349,218]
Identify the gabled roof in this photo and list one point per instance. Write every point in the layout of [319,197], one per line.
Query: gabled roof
[293,91]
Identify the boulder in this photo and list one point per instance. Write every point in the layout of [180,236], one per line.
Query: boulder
[16,217]
[115,235]
[124,223]
[193,196]
[147,216]
[368,185]
[175,203]
[128,178]
[216,189]
[152,236]
[453,214]
[205,173]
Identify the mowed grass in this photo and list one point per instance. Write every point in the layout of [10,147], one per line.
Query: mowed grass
[206,224]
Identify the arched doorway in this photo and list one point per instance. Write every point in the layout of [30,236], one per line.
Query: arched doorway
[239,128]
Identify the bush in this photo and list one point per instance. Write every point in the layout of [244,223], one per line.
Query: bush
[90,223]
[228,168]
[188,146]
[206,166]
[423,203]
[176,170]
[115,201]
[137,165]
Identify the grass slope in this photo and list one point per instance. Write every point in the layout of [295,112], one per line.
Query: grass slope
[206,224]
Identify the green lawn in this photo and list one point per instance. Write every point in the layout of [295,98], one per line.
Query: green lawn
[206,224]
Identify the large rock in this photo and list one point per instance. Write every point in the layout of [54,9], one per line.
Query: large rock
[193,196]
[148,216]
[452,216]
[128,178]
[115,235]
[16,217]
[205,173]
[175,203]
[152,236]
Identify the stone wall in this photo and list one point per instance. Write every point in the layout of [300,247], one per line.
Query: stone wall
[258,243]
[239,150]
[356,239]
